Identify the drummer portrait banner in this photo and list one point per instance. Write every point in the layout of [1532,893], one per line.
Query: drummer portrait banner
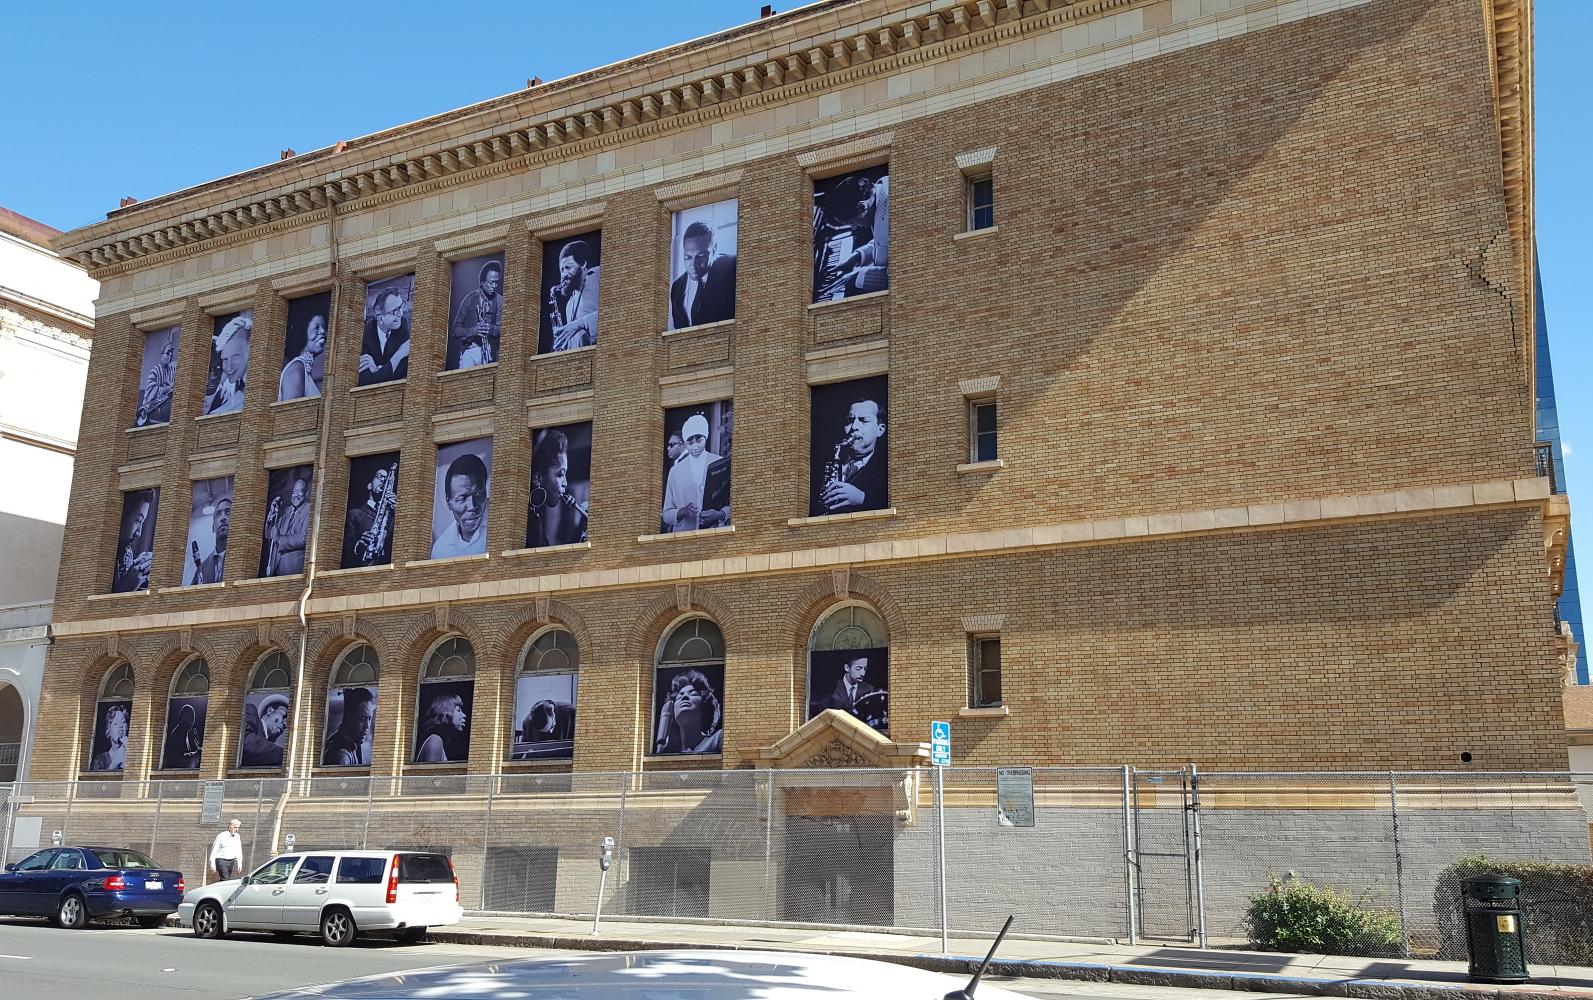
[854,681]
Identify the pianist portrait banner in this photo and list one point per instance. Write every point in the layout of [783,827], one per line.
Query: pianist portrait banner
[851,234]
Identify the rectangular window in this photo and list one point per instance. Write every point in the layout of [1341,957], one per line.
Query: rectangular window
[981,203]
[982,430]
[984,671]
[315,870]
[361,871]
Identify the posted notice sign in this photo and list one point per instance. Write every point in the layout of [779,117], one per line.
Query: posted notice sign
[940,743]
[1014,796]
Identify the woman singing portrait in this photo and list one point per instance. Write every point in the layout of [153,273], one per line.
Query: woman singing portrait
[443,737]
[691,720]
[556,517]
[299,376]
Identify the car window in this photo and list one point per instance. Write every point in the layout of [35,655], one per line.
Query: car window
[315,870]
[120,858]
[424,868]
[361,871]
[37,862]
[67,861]
[275,871]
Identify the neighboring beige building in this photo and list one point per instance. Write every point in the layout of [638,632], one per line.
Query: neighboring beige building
[1249,316]
[46,321]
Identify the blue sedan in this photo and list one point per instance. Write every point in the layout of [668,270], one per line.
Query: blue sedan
[74,884]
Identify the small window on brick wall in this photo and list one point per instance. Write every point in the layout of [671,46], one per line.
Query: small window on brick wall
[981,202]
[984,671]
[982,430]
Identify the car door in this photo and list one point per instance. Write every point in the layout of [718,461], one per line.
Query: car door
[307,892]
[16,887]
[257,903]
[67,869]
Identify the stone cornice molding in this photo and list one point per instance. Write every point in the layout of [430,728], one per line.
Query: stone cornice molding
[183,223]
[696,575]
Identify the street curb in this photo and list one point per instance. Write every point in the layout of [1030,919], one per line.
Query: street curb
[1248,982]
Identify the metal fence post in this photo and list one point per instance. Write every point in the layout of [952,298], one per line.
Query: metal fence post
[768,847]
[8,806]
[619,838]
[1399,865]
[1128,862]
[940,836]
[154,831]
[254,835]
[66,821]
[486,839]
[1200,872]
[365,831]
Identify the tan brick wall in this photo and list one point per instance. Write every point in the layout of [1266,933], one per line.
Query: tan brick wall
[1246,272]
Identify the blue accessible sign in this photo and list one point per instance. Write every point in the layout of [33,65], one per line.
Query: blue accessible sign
[940,743]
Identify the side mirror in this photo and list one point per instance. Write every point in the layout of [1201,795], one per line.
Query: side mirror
[244,880]
[11,867]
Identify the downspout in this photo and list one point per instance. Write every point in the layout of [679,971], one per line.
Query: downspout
[300,700]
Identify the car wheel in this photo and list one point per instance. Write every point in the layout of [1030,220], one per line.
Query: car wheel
[412,935]
[150,923]
[72,913]
[337,928]
[207,921]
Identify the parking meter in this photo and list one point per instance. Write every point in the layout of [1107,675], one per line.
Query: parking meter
[55,838]
[288,841]
[607,857]
[604,859]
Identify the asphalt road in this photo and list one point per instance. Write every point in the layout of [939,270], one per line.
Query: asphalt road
[128,963]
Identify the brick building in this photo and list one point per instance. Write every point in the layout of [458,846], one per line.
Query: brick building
[1202,350]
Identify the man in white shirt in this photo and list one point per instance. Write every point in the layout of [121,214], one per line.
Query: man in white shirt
[226,853]
[465,493]
[683,490]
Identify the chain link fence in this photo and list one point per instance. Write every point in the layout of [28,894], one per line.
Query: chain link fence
[1098,853]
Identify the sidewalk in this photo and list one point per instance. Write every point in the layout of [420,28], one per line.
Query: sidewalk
[1249,971]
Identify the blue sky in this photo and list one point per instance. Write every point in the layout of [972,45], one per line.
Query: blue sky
[107,99]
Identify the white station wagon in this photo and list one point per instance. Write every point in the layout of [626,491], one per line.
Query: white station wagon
[339,894]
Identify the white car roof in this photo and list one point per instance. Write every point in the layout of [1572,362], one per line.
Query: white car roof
[660,975]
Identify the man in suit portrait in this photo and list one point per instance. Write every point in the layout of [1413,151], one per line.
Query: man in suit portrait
[287,531]
[262,732]
[706,291]
[862,477]
[210,570]
[573,300]
[384,348]
[851,686]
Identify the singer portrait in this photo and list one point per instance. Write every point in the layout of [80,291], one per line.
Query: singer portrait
[477,313]
[287,526]
[849,464]
[704,285]
[570,271]
[384,345]
[561,471]
[208,526]
[160,377]
[372,507]
[851,234]
[304,347]
[135,543]
[229,362]
[459,506]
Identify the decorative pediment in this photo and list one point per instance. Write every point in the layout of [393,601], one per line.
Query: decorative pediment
[835,739]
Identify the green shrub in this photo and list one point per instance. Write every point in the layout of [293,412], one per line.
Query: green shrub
[1297,916]
[1556,903]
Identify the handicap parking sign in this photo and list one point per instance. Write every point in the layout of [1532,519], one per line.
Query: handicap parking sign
[940,743]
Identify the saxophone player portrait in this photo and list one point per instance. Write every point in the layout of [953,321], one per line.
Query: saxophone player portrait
[849,466]
[372,508]
[570,282]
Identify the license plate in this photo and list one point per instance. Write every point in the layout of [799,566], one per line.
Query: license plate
[154,885]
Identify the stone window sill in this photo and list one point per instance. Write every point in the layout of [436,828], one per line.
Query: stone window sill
[856,515]
[970,234]
[993,712]
[569,547]
[975,468]
[723,529]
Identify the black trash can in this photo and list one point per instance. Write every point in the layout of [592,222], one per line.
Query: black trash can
[1495,936]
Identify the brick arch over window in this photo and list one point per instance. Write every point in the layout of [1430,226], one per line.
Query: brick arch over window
[659,613]
[816,600]
[409,648]
[519,628]
[326,648]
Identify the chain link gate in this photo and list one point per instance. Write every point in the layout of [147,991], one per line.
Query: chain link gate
[1162,857]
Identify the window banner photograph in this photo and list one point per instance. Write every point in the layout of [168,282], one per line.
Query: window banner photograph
[384,340]
[108,751]
[561,486]
[475,310]
[159,376]
[688,705]
[442,722]
[135,541]
[184,744]
[569,292]
[459,499]
[265,729]
[702,265]
[304,347]
[544,714]
[287,522]
[209,521]
[851,234]
[229,362]
[696,467]
[350,726]
[848,457]
[372,507]
[854,681]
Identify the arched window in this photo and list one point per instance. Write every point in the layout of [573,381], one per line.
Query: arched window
[113,712]
[544,697]
[688,689]
[849,665]
[267,705]
[442,708]
[351,708]
[186,707]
